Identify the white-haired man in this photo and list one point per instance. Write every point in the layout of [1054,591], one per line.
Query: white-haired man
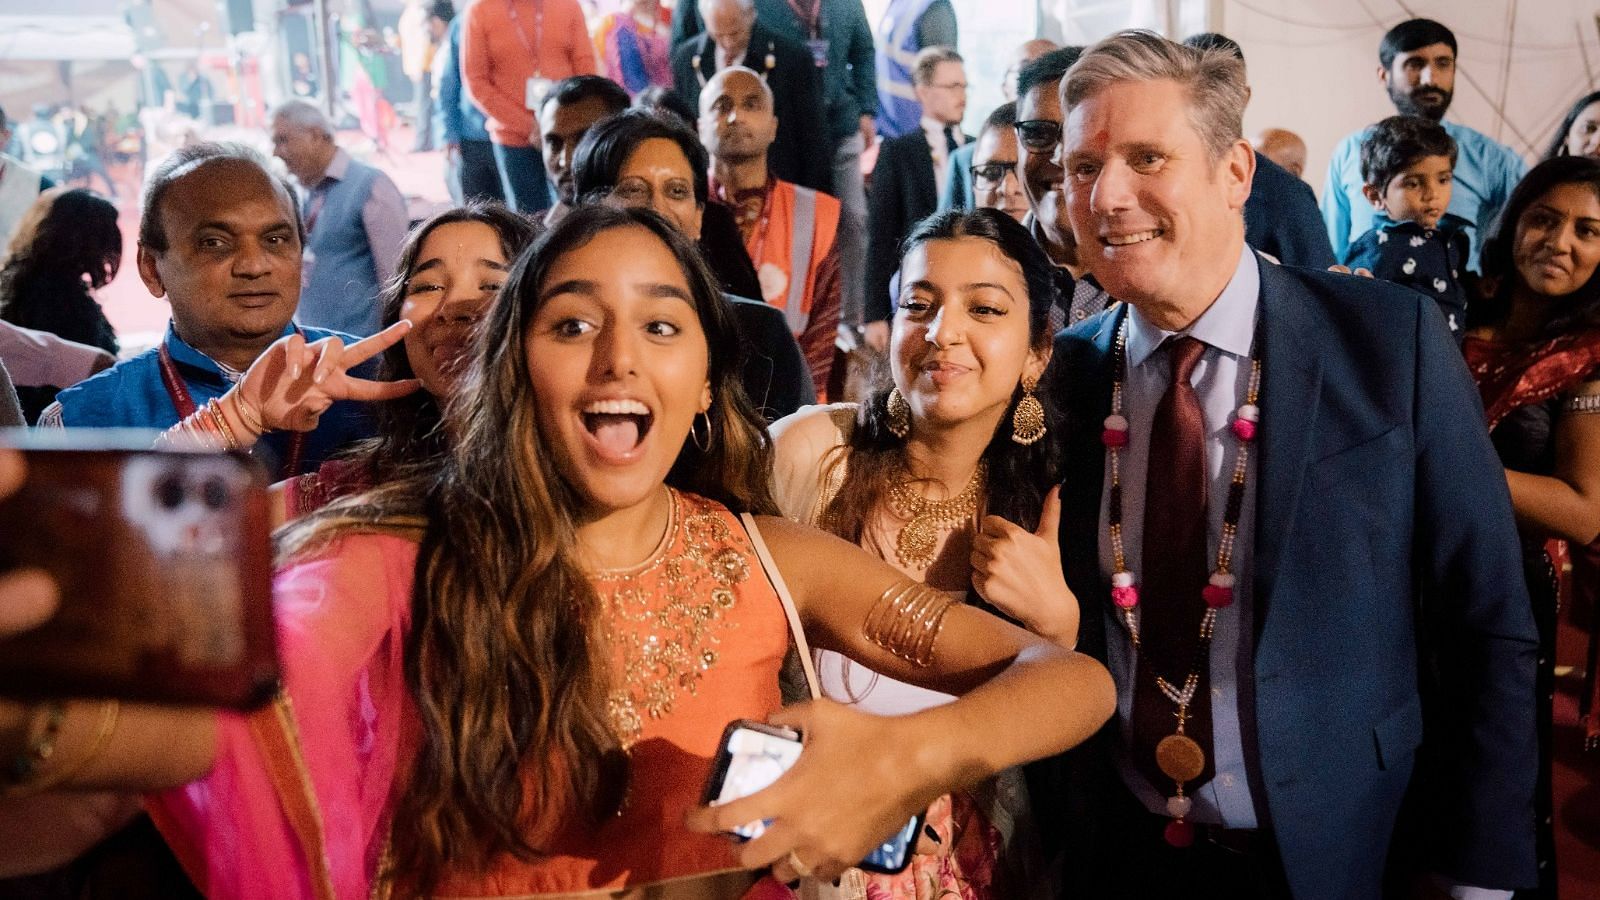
[355,221]
[1289,534]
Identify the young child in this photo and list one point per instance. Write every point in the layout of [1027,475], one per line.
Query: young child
[1407,163]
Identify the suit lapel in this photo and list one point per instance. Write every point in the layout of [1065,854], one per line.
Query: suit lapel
[1084,389]
[1291,387]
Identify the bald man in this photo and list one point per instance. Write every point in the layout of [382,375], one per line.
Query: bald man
[789,231]
[733,37]
[1285,148]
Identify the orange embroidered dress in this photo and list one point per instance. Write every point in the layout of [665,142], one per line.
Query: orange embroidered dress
[298,803]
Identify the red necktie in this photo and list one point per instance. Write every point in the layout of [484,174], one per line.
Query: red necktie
[1174,571]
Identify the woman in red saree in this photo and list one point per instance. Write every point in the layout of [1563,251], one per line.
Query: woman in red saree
[1534,350]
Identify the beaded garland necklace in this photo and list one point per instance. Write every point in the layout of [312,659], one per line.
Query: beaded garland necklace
[1178,756]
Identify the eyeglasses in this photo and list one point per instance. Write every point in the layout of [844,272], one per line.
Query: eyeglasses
[1039,135]
[989,175]
[952,86]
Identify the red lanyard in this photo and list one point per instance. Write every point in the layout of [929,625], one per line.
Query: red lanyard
[183,402]
[812,20]
[536,46]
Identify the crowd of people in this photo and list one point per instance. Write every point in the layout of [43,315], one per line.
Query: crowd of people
[672,420]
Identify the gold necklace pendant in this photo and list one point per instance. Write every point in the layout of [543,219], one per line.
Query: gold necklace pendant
[915,544]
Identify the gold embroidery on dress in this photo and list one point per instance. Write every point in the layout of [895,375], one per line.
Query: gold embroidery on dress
[665,616]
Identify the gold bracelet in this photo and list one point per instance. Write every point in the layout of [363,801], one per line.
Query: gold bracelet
[229,441]
[109,711]
[906,620]
[238,410]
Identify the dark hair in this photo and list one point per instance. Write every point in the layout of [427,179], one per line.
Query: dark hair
[1558,145]
[76,238]
[407,428]
[1399,142]
[571,91]
[1049,67]
[1211,40]
[1004,116]
[1019,476]
[1578,310]
[606,147]
[443,10]
[506,659]
[501,600]
[665,101]
[1413,34]
[187,160]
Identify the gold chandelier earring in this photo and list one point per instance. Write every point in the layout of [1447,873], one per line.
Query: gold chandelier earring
[1027,420]
[899,414]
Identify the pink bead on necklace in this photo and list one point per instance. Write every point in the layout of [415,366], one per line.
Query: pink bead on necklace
[1219,590]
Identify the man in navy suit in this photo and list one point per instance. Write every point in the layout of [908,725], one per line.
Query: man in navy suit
[1326,561]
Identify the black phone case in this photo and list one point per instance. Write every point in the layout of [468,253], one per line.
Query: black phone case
[719,771]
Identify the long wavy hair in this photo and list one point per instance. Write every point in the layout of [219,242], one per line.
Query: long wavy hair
[409,428]
[1577,311]
[1558,143]
[1019,476]
[506,657]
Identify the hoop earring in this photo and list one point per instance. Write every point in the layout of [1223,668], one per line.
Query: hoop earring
[1027,420]
[694,433]
[899,411]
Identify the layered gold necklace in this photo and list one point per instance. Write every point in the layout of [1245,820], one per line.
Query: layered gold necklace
[919,537]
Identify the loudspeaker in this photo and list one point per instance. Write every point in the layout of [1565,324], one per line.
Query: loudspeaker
[241,15]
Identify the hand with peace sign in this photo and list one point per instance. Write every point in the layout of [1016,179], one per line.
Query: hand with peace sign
[1019,573]
[293,383]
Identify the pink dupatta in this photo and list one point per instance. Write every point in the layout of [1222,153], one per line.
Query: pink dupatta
[297,805]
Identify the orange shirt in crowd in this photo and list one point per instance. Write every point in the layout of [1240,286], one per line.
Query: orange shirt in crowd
[496,63]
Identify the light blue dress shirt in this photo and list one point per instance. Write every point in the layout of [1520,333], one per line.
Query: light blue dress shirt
[1485,173]
[1221,379]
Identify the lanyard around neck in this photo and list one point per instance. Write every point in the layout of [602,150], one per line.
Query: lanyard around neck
[535,46]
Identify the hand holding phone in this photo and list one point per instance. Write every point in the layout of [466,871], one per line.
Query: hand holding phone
[753,755]
[162,563]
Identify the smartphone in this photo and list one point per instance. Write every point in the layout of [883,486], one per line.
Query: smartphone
[752,755]
[163,562]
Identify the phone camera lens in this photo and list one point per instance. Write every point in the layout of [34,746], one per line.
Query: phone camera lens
[214,493]
[169,491]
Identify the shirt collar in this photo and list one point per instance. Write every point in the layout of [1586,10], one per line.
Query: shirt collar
[339,166]
[1228,325]
[935,129]
[183,353]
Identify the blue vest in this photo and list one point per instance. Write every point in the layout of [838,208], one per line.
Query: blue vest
[899,111]
[342,292]
[131,394]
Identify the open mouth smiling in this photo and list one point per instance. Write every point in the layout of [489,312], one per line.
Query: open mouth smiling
[617,427]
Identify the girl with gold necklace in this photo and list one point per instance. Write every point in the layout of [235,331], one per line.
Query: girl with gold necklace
[946,475]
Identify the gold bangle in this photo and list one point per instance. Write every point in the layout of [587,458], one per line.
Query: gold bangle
[229,441]
[109,712]
[906,620]
[238,410]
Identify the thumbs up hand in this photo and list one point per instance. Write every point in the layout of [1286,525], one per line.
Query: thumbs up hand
[1019,573]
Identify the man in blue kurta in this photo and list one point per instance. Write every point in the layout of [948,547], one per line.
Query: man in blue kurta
[1418,68]
[220,239]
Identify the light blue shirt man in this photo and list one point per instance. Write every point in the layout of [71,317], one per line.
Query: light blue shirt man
[1485,173]
[1220,379]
